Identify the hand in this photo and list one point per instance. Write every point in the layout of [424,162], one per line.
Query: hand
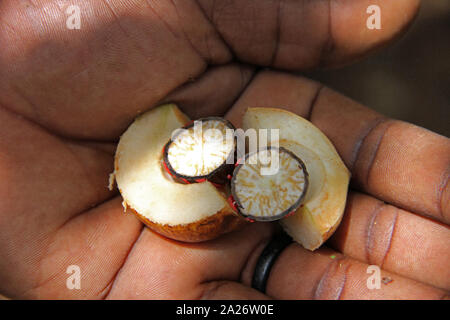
[67,95]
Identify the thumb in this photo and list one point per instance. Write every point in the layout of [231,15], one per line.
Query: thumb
[159,268]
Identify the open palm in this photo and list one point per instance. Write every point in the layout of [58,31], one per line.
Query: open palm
[67,95]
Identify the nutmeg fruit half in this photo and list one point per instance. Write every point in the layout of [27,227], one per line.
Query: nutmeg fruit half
[186,212]
[324,202]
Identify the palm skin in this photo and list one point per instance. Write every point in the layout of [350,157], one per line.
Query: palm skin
[67,95]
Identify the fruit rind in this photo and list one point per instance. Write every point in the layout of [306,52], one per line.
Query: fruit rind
[206,229]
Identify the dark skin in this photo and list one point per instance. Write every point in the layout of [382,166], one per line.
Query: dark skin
[67,95]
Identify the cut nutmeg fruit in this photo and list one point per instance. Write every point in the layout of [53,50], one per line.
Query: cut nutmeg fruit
[269,184]
[324,202]
[312,181]
[203,150]
[185,212]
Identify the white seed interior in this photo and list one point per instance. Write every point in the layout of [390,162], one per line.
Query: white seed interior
[266,195]
[201,149]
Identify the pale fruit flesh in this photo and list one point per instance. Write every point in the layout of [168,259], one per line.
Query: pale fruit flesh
[187,212]
[325,199]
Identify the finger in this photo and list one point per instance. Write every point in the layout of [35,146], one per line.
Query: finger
[396,162]
[213,92]
[325,274]
[96,242]
[91,82]
[303,34]
[397,241]
[158,268]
